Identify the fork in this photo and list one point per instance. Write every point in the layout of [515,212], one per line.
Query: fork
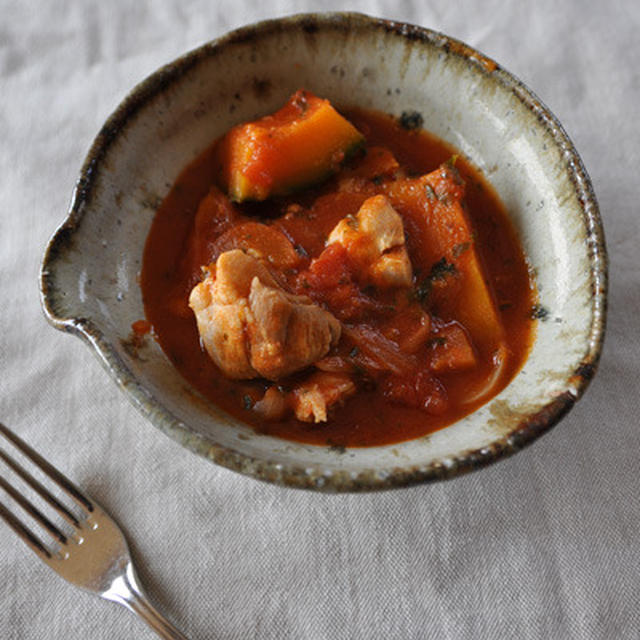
[95,556]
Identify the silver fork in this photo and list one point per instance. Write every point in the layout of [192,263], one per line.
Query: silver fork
[95,556]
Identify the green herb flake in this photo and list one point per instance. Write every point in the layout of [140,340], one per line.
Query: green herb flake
[336,447]
[352,221]
[301,251]
[460,248]
[423,290]
[441,269]
[247,402]
[411,120]
[538,312]
[431,194]
[354,352]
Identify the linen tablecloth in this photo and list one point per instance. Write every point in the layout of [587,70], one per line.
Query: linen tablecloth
[542,545]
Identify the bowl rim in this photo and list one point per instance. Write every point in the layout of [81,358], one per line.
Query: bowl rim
[292,475]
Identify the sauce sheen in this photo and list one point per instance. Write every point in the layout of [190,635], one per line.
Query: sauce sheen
[367,419]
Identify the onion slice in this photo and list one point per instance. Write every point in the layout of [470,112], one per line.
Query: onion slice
[385,353]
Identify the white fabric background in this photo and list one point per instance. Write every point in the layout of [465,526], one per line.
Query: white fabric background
[542,545]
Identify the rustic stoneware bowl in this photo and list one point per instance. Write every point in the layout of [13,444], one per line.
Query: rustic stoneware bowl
[89,275]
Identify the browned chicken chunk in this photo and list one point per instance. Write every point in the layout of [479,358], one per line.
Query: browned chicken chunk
[375,240]
[251,327]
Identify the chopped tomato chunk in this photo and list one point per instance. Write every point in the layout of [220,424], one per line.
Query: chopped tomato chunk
[419,391]
[330,281]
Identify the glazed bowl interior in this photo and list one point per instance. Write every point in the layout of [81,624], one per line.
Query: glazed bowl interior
[90,274]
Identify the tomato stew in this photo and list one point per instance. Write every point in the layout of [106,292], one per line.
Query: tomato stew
[422,357]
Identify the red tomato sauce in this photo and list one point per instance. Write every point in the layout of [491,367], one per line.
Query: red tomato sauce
[179,245]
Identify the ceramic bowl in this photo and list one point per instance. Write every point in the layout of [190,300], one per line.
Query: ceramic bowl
[89,274]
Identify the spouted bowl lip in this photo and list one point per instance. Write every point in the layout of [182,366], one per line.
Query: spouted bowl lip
[291,474]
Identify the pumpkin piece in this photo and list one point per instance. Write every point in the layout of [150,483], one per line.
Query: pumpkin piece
[442,243]
[301,144]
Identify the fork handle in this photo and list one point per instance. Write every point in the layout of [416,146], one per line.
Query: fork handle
[127,592]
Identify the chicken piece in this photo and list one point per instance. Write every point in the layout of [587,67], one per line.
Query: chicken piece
[251,327]
[287,332]
[392,269]
[234,273]
[313,398]
[374,239]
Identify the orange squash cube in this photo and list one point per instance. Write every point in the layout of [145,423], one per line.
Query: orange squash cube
[301,144]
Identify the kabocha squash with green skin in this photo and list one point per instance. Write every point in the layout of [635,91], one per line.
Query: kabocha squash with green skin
[303,143]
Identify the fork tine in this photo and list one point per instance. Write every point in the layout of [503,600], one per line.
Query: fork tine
[33,511]
[40,489]
[100,562]
[31,540]
[64,483]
